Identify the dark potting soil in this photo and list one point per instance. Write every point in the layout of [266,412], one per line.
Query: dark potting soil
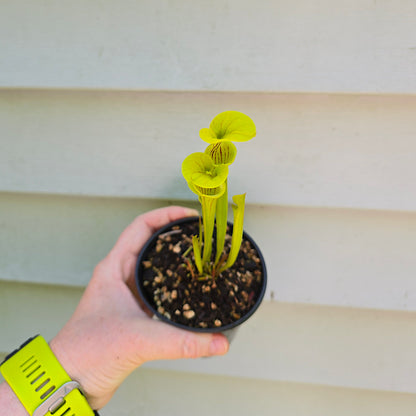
[179,295]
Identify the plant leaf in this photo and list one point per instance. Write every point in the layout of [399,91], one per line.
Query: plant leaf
[229,125]
[238,210]
[222,153]
[199,169]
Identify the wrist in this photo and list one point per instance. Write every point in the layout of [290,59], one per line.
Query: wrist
[77,364]
[69,363]
[9,402]
[39,381]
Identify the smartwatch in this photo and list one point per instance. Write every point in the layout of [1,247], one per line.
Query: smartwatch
[41,384]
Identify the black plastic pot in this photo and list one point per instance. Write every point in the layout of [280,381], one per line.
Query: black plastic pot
[226,329]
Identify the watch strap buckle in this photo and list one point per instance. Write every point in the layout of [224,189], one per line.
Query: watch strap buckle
[56,399]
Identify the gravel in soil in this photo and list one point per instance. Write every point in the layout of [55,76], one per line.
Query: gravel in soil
[172,285]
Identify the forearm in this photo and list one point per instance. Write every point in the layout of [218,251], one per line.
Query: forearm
[9,403]
[110,335]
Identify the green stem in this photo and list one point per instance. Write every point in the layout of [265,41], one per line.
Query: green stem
[208,219]
[221,223]
[197,253]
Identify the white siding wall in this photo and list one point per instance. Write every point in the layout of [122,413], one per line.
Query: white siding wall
[99,103]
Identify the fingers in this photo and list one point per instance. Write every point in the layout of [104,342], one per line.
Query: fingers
[141,229]
[124,254]
[159,217]
[163,341]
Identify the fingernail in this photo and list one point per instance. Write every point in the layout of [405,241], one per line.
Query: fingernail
[191,212]
[219,345]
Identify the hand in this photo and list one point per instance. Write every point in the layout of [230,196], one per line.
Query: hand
[109,334]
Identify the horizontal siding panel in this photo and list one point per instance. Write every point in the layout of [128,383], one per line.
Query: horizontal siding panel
[339,257]
[338,347]
[165,392]
[310,150]
[342,347]
[48,239]
[232,45]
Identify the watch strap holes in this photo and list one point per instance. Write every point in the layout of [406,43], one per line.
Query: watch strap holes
[43,384]
[47,392]
[28,363]
[30,360]
[37,377]
[66,412]
[33,371]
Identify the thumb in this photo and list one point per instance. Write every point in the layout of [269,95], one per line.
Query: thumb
[201,345]
[163,341]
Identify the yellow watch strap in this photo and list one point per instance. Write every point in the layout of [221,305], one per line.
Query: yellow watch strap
[41,384]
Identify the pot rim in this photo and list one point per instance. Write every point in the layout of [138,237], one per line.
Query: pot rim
[138,280]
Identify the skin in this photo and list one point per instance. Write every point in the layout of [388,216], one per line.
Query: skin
[110,334]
